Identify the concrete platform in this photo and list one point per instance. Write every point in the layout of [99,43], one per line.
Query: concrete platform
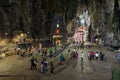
[71,70]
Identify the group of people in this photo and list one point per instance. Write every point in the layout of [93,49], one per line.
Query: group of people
[27,51]
[33,63]
[74,55]
[45,66]
[96,55]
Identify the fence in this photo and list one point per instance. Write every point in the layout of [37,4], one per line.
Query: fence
[60,51]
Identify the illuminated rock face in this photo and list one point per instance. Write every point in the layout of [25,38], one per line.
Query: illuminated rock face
[35,16]
[104,17]
[21,16]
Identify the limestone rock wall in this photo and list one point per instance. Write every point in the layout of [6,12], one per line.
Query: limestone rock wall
[32,16]
[105,17]
[35,16]
[19,16]
[14,17]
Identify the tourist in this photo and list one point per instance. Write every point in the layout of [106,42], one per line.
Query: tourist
[101,56]
[68,50]
[82,57]
[32,63]
[51,69]
[76,55]
[35,63]
[51,54]
[92,54]
[68,54]
[42,67]
[89,55]
[96,55]
[118,58]
[62,59]
[45,65]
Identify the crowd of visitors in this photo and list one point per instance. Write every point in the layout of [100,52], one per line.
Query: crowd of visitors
[96,55]
[45,65]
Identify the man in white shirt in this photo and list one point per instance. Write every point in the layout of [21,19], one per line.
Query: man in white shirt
[96,55]
[82,56]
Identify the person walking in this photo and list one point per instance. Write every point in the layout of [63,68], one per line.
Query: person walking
[96,55]
[92,54]
[82,57]
[101,56]
[32,63]
[42,70]
[45,65]
[51,54]
[35,63]
[51,69]
[62,59]
[118,58]
[68,54]
[76,55]
[89,58]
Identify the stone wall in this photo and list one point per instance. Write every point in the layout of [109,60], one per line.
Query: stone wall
[35,16]
[32,16]
[105,17]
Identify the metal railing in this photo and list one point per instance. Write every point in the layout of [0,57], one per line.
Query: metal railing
[60,51]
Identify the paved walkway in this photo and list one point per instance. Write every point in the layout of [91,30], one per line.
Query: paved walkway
[84,66]
[94,70]
[71,70]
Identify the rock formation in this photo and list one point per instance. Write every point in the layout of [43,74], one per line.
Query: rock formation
[34,17]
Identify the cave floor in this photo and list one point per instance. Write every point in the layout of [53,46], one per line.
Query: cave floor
[18,68]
